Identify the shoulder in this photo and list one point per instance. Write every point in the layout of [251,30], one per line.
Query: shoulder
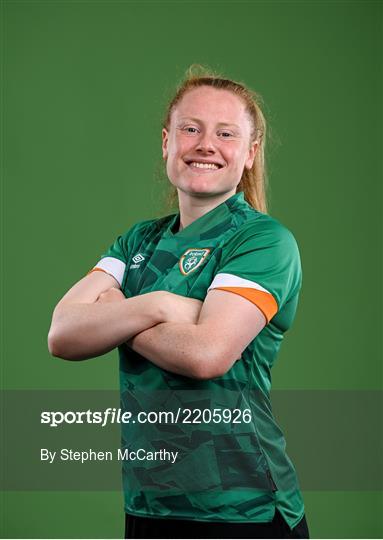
[261,231]
[147,227]
[141,231]
[262,254]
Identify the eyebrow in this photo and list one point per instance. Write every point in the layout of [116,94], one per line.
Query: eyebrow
[201,122]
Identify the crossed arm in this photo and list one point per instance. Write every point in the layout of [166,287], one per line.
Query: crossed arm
[181,335]
[207,349]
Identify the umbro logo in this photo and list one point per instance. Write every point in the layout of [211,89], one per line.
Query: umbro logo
[137,259]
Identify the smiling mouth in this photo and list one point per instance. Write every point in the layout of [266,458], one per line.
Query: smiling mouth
[203,166]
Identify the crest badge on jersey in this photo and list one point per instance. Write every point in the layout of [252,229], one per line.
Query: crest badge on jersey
[192,259]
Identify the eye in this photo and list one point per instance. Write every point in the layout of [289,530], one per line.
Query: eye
[226,134]
[190,129]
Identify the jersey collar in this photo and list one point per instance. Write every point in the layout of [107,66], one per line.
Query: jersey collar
[220,216]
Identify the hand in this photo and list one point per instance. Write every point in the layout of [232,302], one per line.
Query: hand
[180,309]
[111,295]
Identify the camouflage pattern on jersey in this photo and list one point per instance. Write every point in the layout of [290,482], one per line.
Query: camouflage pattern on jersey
[236,472]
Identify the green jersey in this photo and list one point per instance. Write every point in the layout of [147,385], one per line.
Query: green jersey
[231,463]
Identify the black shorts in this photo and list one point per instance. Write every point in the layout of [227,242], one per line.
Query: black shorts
[140,527]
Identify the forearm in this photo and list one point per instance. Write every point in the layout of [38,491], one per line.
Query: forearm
[208,347]
[85,330]
[175,347]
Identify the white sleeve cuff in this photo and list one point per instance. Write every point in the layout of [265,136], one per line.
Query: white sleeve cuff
[112,266]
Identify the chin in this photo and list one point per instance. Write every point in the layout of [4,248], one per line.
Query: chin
[199,186]
[203,191]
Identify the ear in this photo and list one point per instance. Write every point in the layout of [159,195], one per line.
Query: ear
[251,155]
[165,139]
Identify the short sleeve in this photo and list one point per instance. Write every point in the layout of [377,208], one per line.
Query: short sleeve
[261,262]
[113,261]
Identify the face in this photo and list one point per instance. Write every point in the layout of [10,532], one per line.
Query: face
[208,143]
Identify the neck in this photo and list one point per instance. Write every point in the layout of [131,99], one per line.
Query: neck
[192,207]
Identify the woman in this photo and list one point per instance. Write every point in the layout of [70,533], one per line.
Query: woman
[198,303]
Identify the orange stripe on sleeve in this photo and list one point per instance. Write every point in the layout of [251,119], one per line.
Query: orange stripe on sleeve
[263,300]
[97,270]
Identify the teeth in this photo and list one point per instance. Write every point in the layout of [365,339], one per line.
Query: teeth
[204,165]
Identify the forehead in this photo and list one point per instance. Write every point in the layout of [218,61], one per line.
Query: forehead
[211,103]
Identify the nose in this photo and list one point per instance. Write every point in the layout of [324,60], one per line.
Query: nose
[205,144]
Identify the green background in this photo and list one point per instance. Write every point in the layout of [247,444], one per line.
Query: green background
[85,85]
